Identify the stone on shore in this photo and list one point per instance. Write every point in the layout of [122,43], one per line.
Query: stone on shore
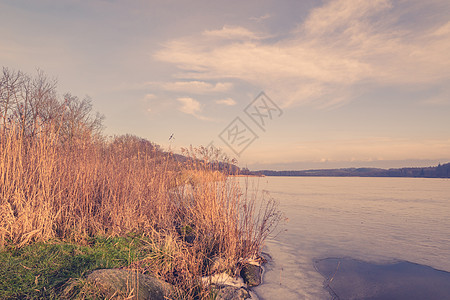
[251,274]
[228,288]
[118,283]
[229,292]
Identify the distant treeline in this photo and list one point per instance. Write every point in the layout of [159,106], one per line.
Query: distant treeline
[440,171]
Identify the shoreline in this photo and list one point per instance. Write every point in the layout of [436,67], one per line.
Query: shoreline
[242,175]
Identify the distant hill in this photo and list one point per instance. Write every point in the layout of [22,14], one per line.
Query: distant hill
[440,171]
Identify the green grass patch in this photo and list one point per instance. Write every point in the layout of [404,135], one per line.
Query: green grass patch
[42,270]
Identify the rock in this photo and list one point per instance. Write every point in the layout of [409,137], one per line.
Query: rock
[227,287]
[251,274]
[229,292]
[121,283]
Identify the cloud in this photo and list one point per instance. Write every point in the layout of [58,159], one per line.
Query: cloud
[261,18]
[194,87]
[336,15]
[148,97]
[232,33]
[342,49]
[191,106]
[443,30]
[227,101]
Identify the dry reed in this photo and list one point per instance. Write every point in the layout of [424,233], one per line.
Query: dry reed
[191,211]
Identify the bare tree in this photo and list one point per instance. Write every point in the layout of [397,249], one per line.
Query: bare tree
[44,106]
[78,119]
[32,102]
[10,84]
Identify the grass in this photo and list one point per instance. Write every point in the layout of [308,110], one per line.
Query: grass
[43,270]
[68,207]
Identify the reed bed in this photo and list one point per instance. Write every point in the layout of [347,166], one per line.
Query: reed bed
[188,207]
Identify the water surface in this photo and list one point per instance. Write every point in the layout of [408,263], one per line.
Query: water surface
[353,279]
[375,220]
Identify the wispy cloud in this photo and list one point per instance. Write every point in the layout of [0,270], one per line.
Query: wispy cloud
[232,33]
[261,18]
[227,101]
[337,15]
[340,47]
[192,107]
[194,86]
[148,97]
[189,105]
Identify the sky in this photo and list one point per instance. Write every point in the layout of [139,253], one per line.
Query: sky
[279,85]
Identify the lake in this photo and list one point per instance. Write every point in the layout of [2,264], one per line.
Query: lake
[375,220]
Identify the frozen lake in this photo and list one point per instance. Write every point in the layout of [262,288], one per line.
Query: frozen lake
[376,220]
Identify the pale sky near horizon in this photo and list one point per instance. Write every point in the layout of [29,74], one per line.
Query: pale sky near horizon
[353,82]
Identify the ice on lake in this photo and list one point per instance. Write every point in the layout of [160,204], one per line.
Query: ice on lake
[374,220]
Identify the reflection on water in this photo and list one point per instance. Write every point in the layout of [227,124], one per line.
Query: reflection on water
[352,279]
[377,220]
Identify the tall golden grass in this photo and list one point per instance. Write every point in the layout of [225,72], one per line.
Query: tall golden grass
[194,214]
